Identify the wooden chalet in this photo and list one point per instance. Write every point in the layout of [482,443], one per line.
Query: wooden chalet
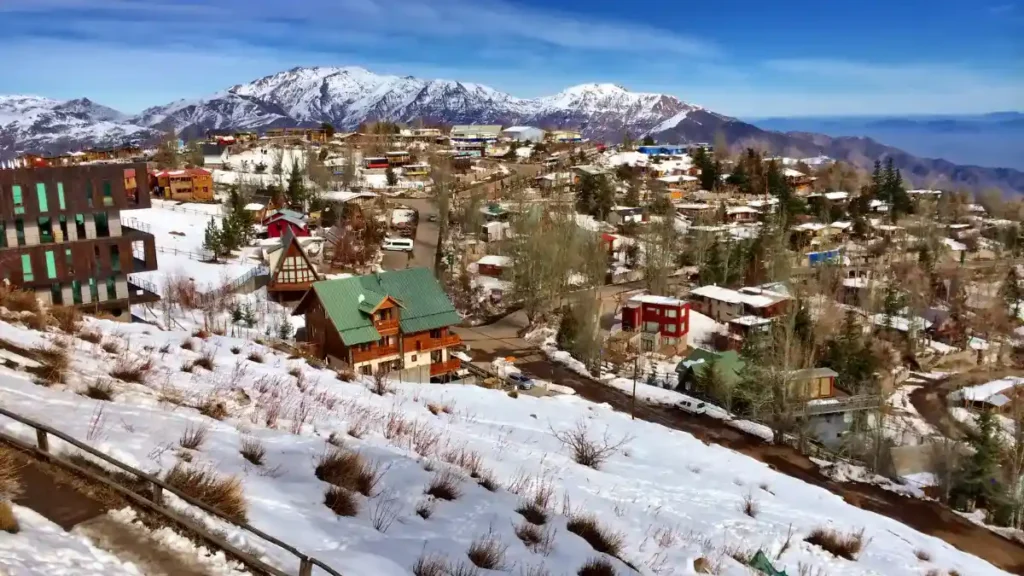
[291,272]
[398,321]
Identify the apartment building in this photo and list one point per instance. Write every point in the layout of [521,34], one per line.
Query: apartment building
[397,321]
[661,321]
[61,235]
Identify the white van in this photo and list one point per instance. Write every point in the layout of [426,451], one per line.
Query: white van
[398,244]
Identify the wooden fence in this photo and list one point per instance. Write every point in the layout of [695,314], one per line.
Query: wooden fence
[155,503]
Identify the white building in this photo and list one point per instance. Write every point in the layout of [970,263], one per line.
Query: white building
[523,134]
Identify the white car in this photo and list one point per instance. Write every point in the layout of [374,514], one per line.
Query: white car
[398,244]
[692,406]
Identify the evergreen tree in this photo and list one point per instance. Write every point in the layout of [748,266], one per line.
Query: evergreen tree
[1010,291]
[296,192]
[647,141]
[978,483]
[212,239]
[392,178]
[739,178]
[594,196]
[877,180]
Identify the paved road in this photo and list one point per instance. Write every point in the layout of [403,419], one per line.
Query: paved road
[426,239]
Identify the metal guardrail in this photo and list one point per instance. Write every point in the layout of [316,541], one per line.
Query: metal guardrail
[155,503]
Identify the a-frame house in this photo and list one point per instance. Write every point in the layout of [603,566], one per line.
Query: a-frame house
[291,272]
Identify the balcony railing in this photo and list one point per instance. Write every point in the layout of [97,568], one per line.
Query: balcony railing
[434,343]
[386,325]
[440,368]
[373,353]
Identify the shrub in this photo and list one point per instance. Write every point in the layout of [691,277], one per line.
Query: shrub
[55,363]
[430,565]
[213,408]
[349,470]
[10,478]
[587,450]
[91,336]
[488,482]
[601,539]
[295,372]
[236,349]
[380,385]
[488,552]
[100,389]
[17,300]
[224,494]
[111,346]
[68,318]
[130,370]
[187,344]
[8,523]
[341,501]
[535,538]
[201,333]
[255,356]
[513,394]
[193,437]
[846,546]
[597,567]
[425,509]
[205,360]
[533,513]
[463,568]
[346,374]
[253,450]
[188,366]
[749,506]
[444,485]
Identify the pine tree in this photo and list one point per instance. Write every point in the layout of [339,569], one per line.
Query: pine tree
[212,239]
[296,193]
[978,483]
[392,178]
[1010,291]
[739,178]
[647,141]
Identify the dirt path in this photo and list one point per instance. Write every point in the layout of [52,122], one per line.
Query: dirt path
[137,545]
[931,402]
[922,515]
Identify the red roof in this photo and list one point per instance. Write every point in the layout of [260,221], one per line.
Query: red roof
[182,172]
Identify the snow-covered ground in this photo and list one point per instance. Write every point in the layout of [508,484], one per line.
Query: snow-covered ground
[903,423]
[672,497]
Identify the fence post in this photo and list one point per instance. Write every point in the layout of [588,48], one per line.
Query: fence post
[42,441]
[305,567]
[158,493]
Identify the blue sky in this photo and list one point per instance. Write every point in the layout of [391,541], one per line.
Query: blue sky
[747,58]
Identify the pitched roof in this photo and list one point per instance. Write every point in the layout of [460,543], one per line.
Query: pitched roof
[424,305]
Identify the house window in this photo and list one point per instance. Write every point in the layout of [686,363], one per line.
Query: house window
[108,195]
[60,195]
[671,313]
[115,258]
[412,358]
[80,226]
[651,326]
[63,220]
[67,261]
[26,268]
[670,328]
[88,194]
[435,333]
[45,229]
[51,265]
[94,291]
[56,296]
[41,194]
[19,231]
[294,270]
[19,201]
[112,288]
[102,225]
[76,292]
[366,370]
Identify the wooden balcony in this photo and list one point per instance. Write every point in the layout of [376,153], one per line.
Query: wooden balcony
[359,356]
[422,344]
[386,326]
[440,368]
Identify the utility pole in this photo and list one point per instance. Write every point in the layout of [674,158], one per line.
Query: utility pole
[636,368]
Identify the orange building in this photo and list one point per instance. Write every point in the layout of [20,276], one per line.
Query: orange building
[193,184]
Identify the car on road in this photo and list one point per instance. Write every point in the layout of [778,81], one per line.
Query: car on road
[520,380]
[398,244]
[692,406]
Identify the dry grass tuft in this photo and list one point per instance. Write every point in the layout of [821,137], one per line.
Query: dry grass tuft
[100,389]
[205,359]
[253,450]
[8,523]
[214,408]
[488,552]
[703,566]
[847,546]
[17,300]
[201,333]
[425,508]
[131,369]
[749,506]
[513,393]
[445,485]
[349,470]
[535,538]
[600,538]
[923,555]
[430,565]
[55,362]
[255,356]
[597,567]
[111,346]
[488,481]
[188,344]
[187,366]
[224,494]
[10,477]
[193,437]
[68,318]
[341,501]
[91,336]
[236,349]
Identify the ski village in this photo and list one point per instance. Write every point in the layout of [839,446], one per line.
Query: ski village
[383,348]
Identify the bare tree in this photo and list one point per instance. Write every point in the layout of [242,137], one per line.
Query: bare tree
[588,449]
[659,245]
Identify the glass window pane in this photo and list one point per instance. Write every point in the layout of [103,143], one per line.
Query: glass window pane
[76,291]
[108,197]
[51,265]
[26,267]
[19,202]
[60,195]
[41,194]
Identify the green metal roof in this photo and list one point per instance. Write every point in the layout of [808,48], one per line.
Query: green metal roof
[424,305]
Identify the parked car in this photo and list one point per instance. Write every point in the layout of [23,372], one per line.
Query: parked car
[520,380]
[692,406]
[398,244]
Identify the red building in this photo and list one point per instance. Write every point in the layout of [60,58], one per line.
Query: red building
[660,320]
[280,220]
[375,163]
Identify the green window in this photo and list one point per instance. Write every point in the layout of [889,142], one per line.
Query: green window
[102,225]
[108,194]
[67,256]
[94,291]
[55,293]
[115,258]
[19,230]
[19,202]
[45,229]
[112,288]
[51,265]
[76,291]
[80,226]
[41,194]
[60,195]
[26,268]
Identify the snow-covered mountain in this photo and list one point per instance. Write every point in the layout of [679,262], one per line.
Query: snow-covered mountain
[36,124]
[349,96]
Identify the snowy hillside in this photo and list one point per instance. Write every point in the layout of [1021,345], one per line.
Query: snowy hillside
[35,124]
[670,498]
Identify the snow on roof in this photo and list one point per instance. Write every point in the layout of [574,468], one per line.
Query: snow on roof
[254,206]
[839,195]
[751,321]
[842,225]
[677,178]
[740,210]
[983,392]
[495,260]
[692,206]
[627,158]
[975,208]
[954,245]
[930,192]
[347,195]
[900,323]
[812,226]
[654,299]
[790,173]
[722,294]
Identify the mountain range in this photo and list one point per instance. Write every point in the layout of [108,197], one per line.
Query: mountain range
[349,96]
